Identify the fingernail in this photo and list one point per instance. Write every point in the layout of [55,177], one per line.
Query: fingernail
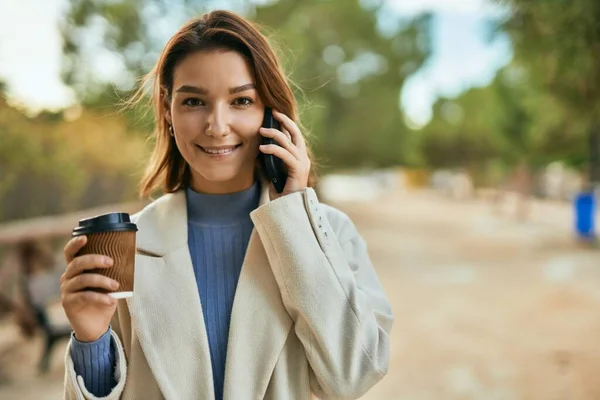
[114,284]
[107,261]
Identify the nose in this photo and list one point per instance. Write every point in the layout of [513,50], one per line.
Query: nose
[217,125]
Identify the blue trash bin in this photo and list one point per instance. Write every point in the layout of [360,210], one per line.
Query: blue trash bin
[585,213]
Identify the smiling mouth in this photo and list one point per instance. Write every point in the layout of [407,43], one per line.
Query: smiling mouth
[219,150]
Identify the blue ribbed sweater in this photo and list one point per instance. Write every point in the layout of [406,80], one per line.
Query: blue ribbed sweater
[219,228]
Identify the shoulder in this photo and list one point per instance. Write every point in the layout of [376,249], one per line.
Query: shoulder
[334,215]
[153,208]
[340,222]
[161,224]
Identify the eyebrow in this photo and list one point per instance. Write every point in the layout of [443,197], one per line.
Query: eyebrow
[203,91]
[243,88]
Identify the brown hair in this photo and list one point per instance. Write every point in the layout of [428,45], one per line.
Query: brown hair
[217,30]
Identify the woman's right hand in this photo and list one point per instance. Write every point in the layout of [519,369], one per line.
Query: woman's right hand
[89,312]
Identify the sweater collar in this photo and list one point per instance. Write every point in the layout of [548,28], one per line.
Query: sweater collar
[221,209]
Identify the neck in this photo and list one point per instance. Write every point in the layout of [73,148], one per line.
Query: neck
[237,184]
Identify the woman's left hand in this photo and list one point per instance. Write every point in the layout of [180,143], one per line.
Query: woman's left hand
[291,150]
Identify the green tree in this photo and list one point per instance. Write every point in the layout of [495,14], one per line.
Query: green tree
[480,124]
[51,164]
[558,42]
[503,125]
[350,57]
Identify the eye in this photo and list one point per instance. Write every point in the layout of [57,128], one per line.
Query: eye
[193,102]
[243,102]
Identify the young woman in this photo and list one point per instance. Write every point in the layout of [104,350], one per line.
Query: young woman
[240,292]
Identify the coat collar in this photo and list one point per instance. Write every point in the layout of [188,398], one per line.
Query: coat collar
[167,313]
[162,226]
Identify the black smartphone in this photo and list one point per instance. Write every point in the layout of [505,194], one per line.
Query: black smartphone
[273,166]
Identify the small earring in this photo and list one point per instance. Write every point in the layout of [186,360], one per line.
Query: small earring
[171,130]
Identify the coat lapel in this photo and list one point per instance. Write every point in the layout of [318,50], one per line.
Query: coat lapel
[259,324]
[259,327]
[167,313]
[165,307]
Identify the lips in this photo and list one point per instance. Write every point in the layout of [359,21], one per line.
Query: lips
[219,150]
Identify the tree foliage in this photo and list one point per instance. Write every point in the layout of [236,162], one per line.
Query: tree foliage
[348,60]
[542,107]
[347,66]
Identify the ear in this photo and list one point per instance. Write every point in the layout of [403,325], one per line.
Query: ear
[166,104]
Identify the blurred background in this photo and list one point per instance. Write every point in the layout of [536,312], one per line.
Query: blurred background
[461,136]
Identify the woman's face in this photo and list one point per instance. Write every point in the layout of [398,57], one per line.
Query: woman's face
[216,113]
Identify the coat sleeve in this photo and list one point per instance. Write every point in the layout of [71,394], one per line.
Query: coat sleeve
[329,287]
[74,386]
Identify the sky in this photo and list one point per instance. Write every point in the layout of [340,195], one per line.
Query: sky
[462,54]
[30,51]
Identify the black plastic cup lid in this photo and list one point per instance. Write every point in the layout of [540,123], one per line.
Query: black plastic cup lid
[111,222]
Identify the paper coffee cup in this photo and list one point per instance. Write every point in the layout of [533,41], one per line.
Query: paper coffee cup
[112,235]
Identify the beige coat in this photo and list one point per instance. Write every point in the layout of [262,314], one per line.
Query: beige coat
[309,315]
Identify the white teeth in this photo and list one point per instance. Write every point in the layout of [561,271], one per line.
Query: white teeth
[222,151]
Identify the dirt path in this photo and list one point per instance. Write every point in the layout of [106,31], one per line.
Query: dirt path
[485,308]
